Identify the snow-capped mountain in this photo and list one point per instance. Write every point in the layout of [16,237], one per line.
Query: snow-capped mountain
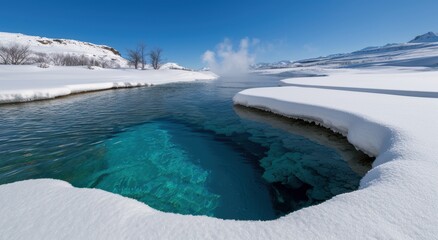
[421,51]
[52,47]
[425,38]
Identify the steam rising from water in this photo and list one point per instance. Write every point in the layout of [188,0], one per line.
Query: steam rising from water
[227,61]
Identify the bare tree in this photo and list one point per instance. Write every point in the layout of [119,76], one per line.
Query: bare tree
[15,54]
[134,57]
[155,57]
[40,57]
[142,48]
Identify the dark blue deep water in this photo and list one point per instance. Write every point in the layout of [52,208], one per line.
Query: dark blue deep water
[180,148]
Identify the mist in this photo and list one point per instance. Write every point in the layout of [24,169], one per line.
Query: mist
[226,60]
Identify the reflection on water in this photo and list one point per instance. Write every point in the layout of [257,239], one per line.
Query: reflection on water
[180,148]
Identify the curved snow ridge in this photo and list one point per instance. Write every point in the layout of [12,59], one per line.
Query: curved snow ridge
[364,132]
[396,199]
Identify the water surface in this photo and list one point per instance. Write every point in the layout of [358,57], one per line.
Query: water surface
[180,148]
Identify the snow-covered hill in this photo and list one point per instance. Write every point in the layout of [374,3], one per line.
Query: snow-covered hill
[422,51]
[53,47]
[172,65]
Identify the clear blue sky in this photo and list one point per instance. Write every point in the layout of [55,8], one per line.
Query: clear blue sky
[186,29]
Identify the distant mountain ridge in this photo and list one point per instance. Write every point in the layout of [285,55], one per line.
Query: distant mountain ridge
[280,64]
[420,51]
[424,38]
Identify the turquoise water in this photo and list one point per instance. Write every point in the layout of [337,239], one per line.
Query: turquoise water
[180,148]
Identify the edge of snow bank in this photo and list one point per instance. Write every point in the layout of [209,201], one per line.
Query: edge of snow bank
[30,95]
[401,181]
[29,83]
[352,126]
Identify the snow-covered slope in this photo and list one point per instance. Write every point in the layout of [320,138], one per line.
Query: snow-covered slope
[421,51]
[64,46]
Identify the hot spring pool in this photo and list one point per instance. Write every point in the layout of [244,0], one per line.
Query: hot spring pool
[181,148]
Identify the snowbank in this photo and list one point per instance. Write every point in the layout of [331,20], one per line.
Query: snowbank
[28,83]
[388,113]
[397,199]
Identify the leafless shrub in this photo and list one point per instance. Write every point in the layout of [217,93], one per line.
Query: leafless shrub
[39,57]
[57,59]
[43,65]
[72,60]
[15,54]
[18,54]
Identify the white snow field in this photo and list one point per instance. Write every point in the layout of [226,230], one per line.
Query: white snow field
[390,113]
[26,83]
[408,81]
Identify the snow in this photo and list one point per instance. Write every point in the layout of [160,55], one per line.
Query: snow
[413,81]
[28,83]
[389,113]
[397,199]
